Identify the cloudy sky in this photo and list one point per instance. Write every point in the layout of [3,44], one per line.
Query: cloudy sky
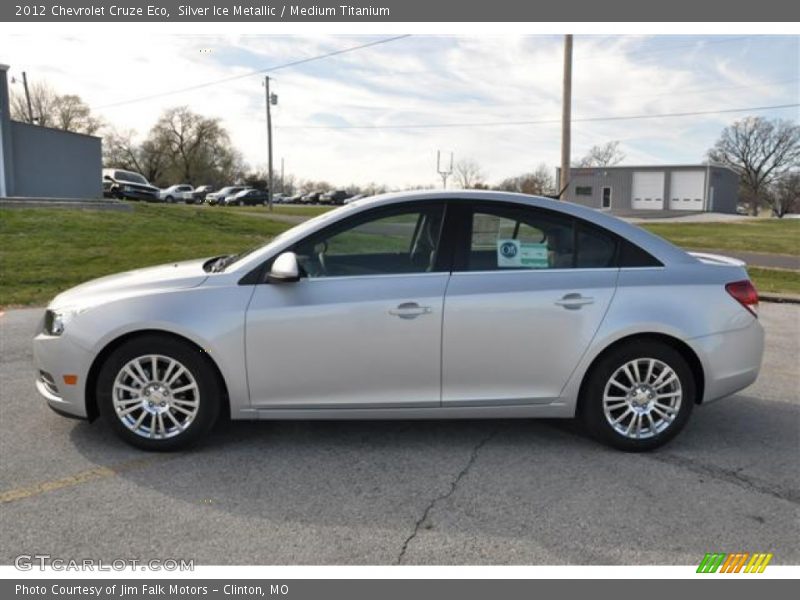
[381,113]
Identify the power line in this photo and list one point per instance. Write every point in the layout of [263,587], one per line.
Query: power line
[692,92]
[293,63]
[545,121]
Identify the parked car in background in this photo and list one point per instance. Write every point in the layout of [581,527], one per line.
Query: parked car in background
[310,198]
[247,197]
[295,199]
[218,196]
[176,193]
[334,197]
[279,198]
[199,194]
[497,305]
[128,185]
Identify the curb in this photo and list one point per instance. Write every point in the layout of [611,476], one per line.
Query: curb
[779,298]
[65,203]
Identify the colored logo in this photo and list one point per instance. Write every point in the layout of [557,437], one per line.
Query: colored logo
[739,562]
[508,249]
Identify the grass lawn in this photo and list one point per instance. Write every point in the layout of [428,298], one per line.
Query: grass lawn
[775,236]
[45,251]
[775,280]
[297,210]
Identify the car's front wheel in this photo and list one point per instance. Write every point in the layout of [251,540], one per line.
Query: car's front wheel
[639,396]
[158,393]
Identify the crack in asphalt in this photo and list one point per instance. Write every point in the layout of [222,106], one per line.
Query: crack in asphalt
[733,476]
[453,485]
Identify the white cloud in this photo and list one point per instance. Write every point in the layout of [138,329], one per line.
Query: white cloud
[418,80]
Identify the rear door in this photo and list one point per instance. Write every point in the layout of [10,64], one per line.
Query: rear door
[529,290]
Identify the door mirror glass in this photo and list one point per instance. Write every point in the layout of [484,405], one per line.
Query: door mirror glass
[284,269]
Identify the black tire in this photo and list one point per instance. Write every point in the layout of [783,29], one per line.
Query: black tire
[170,199]
[198,365]
[591,408]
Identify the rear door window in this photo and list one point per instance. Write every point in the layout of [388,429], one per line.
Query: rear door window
[519,238]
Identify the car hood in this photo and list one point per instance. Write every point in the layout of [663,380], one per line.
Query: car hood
[171,276]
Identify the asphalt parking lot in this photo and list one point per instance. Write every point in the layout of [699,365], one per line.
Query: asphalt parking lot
[458,492]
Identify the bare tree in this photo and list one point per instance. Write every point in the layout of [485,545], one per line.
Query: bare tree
[72,114]
[606,155]
[50,109]
[468,173]
[784,195]
[182,147]
[538,182]
[761,151]
[42,100]
[199,147]
[121,151]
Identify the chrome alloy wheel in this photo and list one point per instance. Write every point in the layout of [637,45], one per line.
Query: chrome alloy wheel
[155,396]
[642,398]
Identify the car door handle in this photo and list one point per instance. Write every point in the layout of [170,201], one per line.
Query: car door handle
[574,301]
[409,310]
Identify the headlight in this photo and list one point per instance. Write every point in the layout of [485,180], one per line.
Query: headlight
[127,188]
[56,320]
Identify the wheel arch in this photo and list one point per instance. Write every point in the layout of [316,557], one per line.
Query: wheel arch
[90,392]
[686,351]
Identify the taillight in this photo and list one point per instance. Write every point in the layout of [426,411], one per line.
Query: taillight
[745,294]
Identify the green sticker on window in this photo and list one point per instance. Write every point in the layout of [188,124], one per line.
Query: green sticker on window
[515,254]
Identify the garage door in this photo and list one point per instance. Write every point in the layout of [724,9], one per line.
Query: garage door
[686,190]
[648,190]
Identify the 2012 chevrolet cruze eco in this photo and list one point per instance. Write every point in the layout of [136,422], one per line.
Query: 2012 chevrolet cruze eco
[414,305]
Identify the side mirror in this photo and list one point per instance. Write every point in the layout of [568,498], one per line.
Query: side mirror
[284,269]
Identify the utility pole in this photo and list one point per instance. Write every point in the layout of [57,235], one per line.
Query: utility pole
[566,116]
[27,97]
[443,174]
[283,191]
[271,99]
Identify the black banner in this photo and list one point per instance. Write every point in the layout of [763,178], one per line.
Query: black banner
[335,589]
[398,11]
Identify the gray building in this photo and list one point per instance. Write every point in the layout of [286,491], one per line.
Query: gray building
[43,162]
[703,187]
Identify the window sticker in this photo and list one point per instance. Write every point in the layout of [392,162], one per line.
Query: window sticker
[516,254]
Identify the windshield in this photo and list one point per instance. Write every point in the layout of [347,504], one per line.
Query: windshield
[128,176]
[224,262]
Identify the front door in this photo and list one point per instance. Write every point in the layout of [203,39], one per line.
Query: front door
[528,292]
[362,328]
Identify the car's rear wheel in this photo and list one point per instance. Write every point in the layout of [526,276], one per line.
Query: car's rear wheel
[158,393]
[639,396]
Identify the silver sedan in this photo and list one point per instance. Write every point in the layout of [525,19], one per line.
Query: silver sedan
[412,306]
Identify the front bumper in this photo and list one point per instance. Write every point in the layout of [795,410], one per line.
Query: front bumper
[54,358]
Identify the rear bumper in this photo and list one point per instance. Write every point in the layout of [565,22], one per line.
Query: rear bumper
[731,360]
